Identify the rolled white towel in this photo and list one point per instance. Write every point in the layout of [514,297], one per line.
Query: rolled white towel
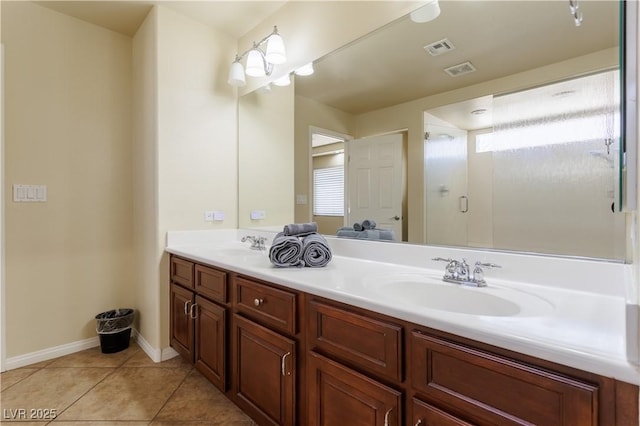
[286,251]
[316,252]
[369,224]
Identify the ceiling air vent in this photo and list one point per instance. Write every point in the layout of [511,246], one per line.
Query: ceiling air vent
[439,47]
[460,69]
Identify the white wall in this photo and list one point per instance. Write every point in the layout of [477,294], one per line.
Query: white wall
[67,126]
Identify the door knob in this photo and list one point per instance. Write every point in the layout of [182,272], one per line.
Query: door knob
[396,217]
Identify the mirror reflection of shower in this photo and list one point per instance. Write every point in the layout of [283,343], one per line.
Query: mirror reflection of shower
[539,167]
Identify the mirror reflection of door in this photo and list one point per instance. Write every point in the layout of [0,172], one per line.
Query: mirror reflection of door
[328,180]
[377,183]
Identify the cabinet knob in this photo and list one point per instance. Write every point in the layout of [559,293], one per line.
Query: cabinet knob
[419,422]
[258,302]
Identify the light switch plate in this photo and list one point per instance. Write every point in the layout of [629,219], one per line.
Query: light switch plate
[29,193]
[208,216]
[301,199]
[258,214]
[218,215]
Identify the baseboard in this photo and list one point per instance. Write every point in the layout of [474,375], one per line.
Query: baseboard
[156,354]
[51,353]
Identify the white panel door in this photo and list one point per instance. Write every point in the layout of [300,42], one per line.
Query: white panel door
[375,184]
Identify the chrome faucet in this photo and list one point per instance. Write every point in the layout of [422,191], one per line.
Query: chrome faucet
[257,243]
[459,272]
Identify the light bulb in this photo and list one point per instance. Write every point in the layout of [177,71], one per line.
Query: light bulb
[255,64]
[305,69]
[275,53]
[236,75]
[426,13]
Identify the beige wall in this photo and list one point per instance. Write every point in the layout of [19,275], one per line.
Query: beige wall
[196,141]
[68,126]
[266,156]
[409,116]
[145,171]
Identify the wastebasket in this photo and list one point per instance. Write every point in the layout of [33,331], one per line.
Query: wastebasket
[114,329]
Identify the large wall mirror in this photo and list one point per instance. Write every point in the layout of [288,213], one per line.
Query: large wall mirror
[509,121]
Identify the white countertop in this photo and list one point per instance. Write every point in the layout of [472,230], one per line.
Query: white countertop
[577,327]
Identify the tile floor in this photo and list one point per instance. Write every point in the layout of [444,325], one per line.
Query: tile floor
[90,388]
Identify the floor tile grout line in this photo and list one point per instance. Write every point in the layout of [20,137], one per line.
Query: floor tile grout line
[114,369]
[24,378]
[172,394]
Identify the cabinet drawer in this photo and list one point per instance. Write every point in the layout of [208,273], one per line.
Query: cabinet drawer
[211,283]
[181,271]
[423,414]
[497,390]
[268,305]
[354,339]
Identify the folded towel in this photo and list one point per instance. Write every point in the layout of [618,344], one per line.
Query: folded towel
[367,234]
[316,252]
[358,227]
[286,251]
[300,229]
[369,224]
[376,234]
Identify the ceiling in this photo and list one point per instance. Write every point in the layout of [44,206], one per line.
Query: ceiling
[500,38]
[390,66]
[235,18]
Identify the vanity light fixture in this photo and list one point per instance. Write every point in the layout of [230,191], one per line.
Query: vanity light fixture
[426,13]
[285,80]
[259,62]
[574,9]
[305,70]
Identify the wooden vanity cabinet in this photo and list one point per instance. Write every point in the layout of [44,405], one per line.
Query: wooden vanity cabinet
[182,325]
[198,323]
[350,353]
[341,396]
[497,390]
[291,358]
[266,342]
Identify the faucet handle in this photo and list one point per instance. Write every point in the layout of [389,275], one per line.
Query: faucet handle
[488,265]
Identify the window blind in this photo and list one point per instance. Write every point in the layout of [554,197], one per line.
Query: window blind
[328,191]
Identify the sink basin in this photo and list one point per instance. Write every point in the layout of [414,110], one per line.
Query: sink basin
[429,292]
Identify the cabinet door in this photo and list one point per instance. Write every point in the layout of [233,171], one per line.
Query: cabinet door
[181,322]
[340,396]
[265,372]
[424,414]
[210,353]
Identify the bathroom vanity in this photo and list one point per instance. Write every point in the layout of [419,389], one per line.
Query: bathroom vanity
[329,346]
